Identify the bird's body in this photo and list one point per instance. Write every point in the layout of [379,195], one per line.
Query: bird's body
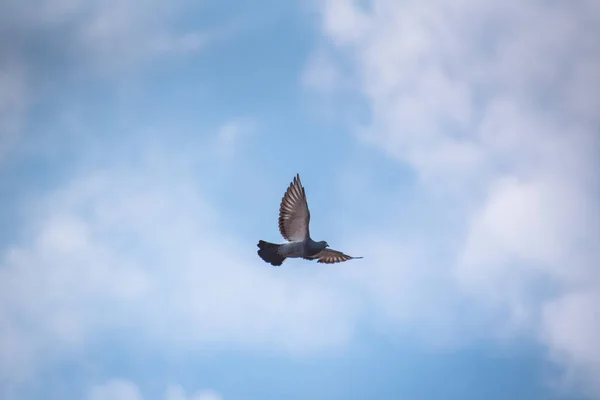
[301,248]
[294,219]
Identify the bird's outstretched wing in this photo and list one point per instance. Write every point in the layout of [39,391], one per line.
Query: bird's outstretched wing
[330,256]
[294,216]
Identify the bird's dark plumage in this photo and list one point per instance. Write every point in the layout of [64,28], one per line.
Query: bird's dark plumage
[269,253]
[329,256]
[294,219]
[294,215]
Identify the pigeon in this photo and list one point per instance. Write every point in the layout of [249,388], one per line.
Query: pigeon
[294,218]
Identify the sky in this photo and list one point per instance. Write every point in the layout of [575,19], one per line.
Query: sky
[145,147]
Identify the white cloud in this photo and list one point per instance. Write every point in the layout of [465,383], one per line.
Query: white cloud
[538,222]
[107,34]
[231,135]
[570,325]
[83,39]
[123,33]
[116,389]
[492,105]
[175,392]
[141,248]
[421,66]
[494,112]
[121,389]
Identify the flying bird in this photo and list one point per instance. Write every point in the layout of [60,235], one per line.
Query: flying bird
[294,218]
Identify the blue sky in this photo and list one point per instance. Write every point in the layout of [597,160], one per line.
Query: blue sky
[145,147]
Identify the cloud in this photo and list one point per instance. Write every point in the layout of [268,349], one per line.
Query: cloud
[60,41]
[133,246]
[231,135]
[116,389]
[569,327]
[494,114]
[141,248]
[491,106]
[109,35]
[121,389]
[177,393]
[118,34]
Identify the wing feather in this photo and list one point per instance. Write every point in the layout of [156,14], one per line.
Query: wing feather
[330,256]
[294,216]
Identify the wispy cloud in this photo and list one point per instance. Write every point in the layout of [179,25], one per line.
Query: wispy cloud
[232,135]
[61,41]
[177,393]
[480,228]
[103,34]
[122,246]
[117,389]
[121,389]
[492,110]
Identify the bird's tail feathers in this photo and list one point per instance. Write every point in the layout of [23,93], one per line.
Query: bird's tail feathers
[269,252]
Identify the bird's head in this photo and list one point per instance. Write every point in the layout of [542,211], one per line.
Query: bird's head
[324,243]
